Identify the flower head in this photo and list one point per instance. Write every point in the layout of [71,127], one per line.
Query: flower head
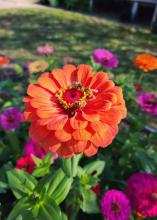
[4,60]
[115,205]
[146,62]
[25,163]
[67,59]
[38,66]
[148,102]
[105,58]
[73,110]
[142,192]
[10,119]
[45,50]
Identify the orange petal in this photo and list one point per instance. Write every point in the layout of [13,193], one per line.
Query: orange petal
[50,142]
[68,74]
[90,150]
[46,112]
[84,74]
[104,136]
[62,135]
[57,122]
[59,76]
[46,81]
[77,146]
[81,135]
[114,115]
[95,105]
[65,151]
[77,122]
[38,92]
[90,117]
[98,79]
[38,133]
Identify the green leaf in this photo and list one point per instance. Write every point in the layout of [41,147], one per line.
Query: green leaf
[42,166]
[89,202]
[49,210]
[56,186]
[20,182]
[40,171]
[95,168]
[19,208]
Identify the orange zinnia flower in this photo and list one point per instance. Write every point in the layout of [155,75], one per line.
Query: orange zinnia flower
[146,62]
[73,110]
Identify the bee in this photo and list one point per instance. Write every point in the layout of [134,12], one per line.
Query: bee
[77,85]
[88,92]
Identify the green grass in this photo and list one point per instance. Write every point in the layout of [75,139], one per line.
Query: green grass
[21,31]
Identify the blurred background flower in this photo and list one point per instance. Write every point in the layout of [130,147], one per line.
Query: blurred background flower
[146,62]
[45,50]
[37,66]
[105,58]
[148,102]
[10,119]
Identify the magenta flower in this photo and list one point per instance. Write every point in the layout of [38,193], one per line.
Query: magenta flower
[142,192]
[45,50]
[105,58]
[148,102]
[10,119]
[31,148]
[115,205]
[25,163]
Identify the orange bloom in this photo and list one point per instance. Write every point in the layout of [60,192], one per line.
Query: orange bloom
[4,60]
[146,62]
[73,110]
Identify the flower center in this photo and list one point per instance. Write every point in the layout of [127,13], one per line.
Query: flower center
[106,59]
[115,207]
[152,100]
[11,118]
[74,98]
[154,197]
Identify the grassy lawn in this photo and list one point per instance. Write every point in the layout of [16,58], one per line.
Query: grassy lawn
[21,31]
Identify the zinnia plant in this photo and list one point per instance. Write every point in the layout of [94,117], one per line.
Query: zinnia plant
[74,110]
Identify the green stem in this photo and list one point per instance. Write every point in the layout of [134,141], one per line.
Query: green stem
[141,77]
[14,142]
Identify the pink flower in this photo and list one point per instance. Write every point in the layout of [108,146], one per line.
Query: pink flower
[105,58]
[31,148]
[148,103]
[115,205]
[10,119]
[45,50]
[141,190]
[25,163]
